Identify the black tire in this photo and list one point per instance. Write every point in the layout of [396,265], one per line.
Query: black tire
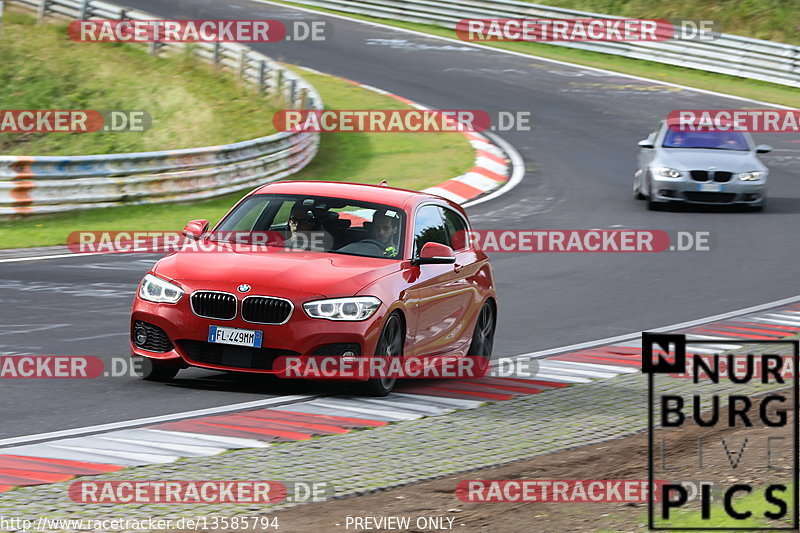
[150,370]
[390,344]
[483,336]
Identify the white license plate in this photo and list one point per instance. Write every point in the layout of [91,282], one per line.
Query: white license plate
[235,336]
[711,187]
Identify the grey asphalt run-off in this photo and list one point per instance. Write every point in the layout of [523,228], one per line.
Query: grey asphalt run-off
[367,461]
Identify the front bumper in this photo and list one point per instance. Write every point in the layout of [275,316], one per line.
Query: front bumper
[300,336]
[690,191]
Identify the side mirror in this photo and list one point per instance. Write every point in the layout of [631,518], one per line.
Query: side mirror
[763,149]
[433,253]
[645,143]
[195,228]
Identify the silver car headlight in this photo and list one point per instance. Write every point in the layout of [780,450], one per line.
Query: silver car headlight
[756,175]
[355,308]
[666,172]
[157,290]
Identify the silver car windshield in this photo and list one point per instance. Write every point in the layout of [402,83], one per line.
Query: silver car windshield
[709,140]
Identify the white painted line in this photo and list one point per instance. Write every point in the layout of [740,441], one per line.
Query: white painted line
[402,406]
[772,321]
[365,410]
[189,450]
[52,452]
[41,257]
[154,419]
[558,370]
[229,442]
[457,403]
[145,458]
[595,366]
[790,319]
[543,376]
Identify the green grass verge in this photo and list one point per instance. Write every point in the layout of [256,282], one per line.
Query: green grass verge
[758,90]
[192,104]
[413,161]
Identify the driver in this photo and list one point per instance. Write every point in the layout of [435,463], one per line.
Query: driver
[386,230]
[305,232]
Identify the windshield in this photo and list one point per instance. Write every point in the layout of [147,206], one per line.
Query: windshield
[714,140]
[318,224]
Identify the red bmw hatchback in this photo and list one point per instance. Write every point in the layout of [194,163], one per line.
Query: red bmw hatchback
[348,271]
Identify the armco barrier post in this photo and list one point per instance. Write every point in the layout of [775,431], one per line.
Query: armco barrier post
[262,72]
[292,92]
[40,14]
[215,57]
[242,63]
[86,10]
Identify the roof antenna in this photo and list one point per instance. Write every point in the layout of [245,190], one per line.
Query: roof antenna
[384,183]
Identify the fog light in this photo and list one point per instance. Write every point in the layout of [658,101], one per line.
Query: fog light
[140,337]
[349,355]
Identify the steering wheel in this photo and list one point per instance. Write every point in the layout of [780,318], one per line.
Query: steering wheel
[374,242]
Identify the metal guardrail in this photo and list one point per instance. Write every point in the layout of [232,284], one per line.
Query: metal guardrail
[48,184]
[727,54]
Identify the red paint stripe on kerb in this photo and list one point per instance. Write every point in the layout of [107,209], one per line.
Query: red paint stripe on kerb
[326,428]
[6,488]
[460,392]
[211,430]
[7,479]
[289,435]
[772,334]
[253,421]
[540,383]
[43,464]
[475,137]
[351,422]
[34,477]
[459,188]
[489,155]
[503,385]
[489,174]
[508,382]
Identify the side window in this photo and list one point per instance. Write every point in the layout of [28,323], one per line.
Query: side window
[429,227]
[456,229]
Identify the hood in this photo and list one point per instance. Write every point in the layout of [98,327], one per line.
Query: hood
[701,159]
[276,272]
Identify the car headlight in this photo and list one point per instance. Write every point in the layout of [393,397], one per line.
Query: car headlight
[356,308]
[666,172]
[756,175]
[157,290]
